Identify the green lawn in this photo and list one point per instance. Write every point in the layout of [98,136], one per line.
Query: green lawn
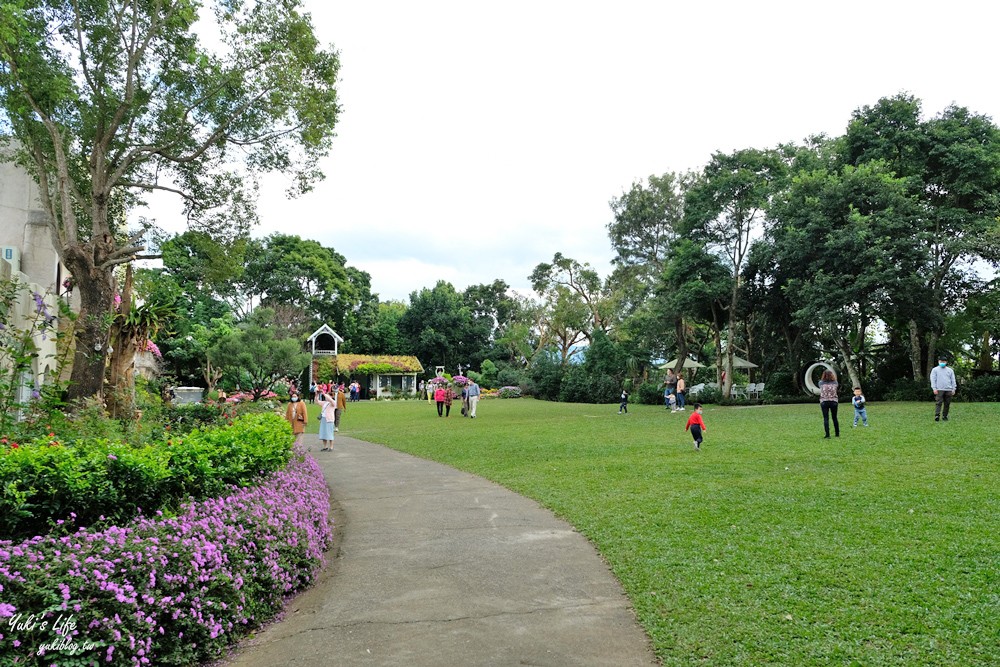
[771,546]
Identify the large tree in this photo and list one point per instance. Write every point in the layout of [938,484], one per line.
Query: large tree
[647,220]
[951,163]
[109,100]
[726,209]
[582,281]
[842,244]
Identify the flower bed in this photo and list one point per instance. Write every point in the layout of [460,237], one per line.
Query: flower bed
[165,591]
[510,392]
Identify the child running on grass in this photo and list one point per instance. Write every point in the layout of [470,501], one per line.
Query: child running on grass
[697,426]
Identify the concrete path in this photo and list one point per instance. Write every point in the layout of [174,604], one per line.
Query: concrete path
[436,567]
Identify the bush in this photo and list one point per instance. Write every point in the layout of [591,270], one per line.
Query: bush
[545,379]
[983,388]
[168,591]
[46,480]
[579,387]
[510,392]
[649,393]
[909,390]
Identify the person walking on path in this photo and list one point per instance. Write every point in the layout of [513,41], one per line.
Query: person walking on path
[697,426]
[828,401]
[944,385]
[681,387]
[296,415]
[473,399]
[327,418]
[339,410]
[439,396]
[860,411]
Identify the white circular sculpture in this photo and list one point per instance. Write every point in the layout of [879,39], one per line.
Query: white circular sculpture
[810,385]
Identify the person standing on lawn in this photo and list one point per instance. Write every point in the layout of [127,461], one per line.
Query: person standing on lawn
[681,387]
[828,401]
[473,398]
[944,385]
[296,415]
[623,406]
[670,389]
[697,426]
[859,403]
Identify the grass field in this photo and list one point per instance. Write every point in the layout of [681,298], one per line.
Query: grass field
[771,546]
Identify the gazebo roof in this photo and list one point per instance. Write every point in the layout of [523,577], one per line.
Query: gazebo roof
[325,329]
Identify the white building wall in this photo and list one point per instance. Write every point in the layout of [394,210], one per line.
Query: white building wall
[23,225]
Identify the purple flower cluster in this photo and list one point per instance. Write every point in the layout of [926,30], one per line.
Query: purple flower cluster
[166,590]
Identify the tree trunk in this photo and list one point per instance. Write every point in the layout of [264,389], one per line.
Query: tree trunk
[727,386]
[92,327]
[918,373]
[985,358]
[932,355]
[846,354]
[121,398]
[682,347]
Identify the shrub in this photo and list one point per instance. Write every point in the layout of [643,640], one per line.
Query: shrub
[45,480]
[168,591]
[510,392]
[649,393]
[580,387]
[909,390]
[983,388]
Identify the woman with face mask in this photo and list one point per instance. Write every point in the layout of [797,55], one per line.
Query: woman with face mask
[296,415]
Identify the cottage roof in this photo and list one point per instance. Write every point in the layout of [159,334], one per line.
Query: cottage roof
[347,363]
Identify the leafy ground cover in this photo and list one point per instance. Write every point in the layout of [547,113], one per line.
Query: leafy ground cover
[771,546]
[47,478]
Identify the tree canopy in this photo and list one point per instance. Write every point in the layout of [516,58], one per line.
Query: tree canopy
[108,101]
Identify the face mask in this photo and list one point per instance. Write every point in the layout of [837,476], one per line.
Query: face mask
[942,364]
[295,399]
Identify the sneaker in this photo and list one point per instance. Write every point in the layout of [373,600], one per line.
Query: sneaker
[944,419]
[936,418]
[335,429]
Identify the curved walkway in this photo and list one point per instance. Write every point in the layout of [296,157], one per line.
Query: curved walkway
[436,567]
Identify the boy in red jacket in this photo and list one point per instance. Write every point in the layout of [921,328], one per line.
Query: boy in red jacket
[697,425]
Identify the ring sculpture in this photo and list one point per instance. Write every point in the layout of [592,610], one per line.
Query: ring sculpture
[810,385]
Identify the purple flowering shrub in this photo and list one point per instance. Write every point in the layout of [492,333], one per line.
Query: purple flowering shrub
[510,392]
[165,591]
[44,480]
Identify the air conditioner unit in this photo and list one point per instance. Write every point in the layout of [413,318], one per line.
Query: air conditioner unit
[12,255]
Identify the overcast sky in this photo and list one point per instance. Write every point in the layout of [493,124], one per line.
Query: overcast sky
[478,139]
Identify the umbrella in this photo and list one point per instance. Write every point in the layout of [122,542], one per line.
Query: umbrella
[738,362]
[688,363]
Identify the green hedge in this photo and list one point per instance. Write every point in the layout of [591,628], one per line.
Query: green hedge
[97,479]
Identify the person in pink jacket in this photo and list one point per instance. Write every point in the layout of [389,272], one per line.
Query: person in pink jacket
[439,395]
